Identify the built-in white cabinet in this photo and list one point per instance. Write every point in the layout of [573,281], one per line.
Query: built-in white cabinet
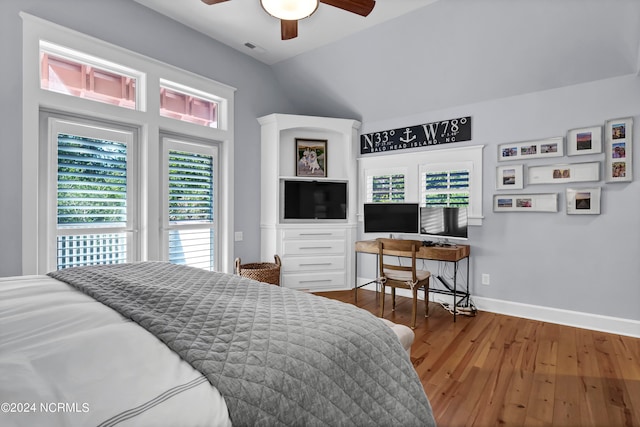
[317,254]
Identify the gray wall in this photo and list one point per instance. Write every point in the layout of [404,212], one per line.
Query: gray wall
[523,70]
[134,27]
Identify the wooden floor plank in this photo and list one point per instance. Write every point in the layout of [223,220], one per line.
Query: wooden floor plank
[593,411]
[567,396]
[493,370]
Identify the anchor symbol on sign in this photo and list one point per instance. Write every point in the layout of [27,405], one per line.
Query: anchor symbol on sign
[408,132]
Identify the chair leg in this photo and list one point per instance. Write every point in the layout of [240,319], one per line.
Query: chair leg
[426,302]
[382,301]
[393,298]
[414,308]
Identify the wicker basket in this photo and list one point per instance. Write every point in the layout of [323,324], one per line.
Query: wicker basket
[266,272]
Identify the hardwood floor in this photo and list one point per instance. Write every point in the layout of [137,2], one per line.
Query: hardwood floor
[492,369]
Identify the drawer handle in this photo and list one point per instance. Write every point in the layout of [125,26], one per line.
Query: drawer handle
[316,247]
[315,264]
[315,281]
[315,234]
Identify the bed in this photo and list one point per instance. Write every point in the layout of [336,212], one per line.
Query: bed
[155,344]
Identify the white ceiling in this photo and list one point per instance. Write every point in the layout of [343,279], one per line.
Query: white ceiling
[237,22]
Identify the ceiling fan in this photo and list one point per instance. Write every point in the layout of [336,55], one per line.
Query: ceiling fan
[290,11]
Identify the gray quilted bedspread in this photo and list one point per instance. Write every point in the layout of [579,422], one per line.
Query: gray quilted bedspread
[278,356]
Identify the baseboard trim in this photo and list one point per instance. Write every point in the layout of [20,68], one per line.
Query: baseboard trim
[595,322]
[576,319]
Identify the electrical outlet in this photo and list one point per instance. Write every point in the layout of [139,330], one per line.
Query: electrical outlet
[486,279]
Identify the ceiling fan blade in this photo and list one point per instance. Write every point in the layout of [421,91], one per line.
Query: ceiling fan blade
[210,2]
[359,7]
[288,29]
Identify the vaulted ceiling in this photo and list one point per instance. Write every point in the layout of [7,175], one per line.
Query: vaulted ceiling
[414,56]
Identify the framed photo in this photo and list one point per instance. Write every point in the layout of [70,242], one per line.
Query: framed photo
[558,174]
[583,201]
[311,157]
[509,177]
[551,147]
[525,202]
[584,141]
[618,150]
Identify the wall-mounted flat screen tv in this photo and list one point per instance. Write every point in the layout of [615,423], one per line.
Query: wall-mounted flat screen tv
[314,200]
[391,217]
[444,221]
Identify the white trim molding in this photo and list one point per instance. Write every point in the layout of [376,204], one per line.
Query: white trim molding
[596,322]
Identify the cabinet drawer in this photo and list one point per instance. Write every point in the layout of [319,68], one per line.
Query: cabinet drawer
[313,247]
[313,234]
[322,263]
[315,281]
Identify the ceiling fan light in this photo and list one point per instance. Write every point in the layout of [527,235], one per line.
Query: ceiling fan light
[289,10]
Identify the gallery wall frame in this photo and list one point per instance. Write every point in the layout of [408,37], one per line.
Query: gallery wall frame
[311,157]
[550,147]
[584,141]
[618,150]
[542,202]
[562,173]
[583,201]
[509,177]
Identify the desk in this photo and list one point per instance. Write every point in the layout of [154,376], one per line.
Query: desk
[452,254]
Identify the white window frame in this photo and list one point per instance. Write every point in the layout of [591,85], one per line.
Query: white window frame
[170,144]
[466,157]
[149,123]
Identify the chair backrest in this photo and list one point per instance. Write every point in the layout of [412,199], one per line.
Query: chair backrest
[397,247]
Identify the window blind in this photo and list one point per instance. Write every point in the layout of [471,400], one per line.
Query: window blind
[385,188]
[92,193]
[191,203]
[92,182]
[446,188]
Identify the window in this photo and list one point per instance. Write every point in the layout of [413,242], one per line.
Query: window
[76,74]
[445,188]
[107,215]
[385,188]
[191,171]
[434,177]
[94,187]
[187,104]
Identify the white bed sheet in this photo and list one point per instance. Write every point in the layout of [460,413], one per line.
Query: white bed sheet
[70,361]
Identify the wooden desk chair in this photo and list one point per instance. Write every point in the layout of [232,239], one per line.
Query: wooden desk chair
[405,277]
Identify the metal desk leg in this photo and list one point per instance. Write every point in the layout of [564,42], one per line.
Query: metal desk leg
[455,291]
[355,283]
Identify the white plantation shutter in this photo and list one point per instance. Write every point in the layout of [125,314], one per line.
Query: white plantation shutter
[445,188]
[92,201]
[191,205]
[385,188]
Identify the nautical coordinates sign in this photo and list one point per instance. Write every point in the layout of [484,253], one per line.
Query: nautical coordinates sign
[442,132]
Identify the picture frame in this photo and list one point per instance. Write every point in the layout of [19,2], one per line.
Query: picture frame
[542,202]
[619,150]
[509,177]
[550,147]
[311,157]
[584,141]
[559,174]
[583,201]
